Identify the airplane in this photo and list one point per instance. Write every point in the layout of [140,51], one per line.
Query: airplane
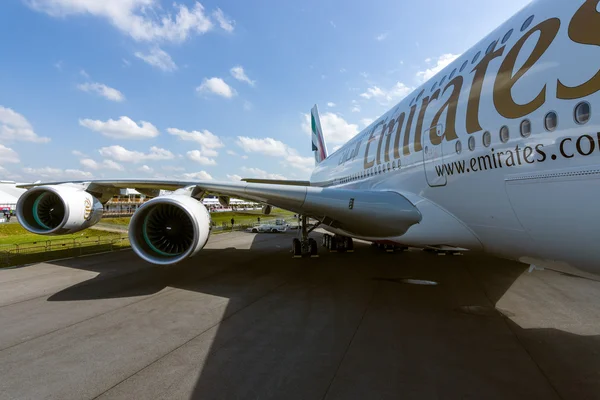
[499,152]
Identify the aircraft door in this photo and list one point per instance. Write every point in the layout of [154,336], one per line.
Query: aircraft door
[433,156]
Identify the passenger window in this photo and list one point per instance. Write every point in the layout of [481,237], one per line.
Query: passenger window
[507,36]
[551,121]
[452,74]
[525,128]
[491,47]
[394,164]
[420,94]
[582,113]
[487,138]
[434,86]
[472,143]
[442,81]
[464,65]
[504,134]
[458,147]
[526,24]
[476,57]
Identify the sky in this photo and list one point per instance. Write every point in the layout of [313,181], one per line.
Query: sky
[220,89]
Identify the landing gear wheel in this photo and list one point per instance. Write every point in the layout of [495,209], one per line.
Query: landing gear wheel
[333,244]
[296,248]
[350,245]
[313,250]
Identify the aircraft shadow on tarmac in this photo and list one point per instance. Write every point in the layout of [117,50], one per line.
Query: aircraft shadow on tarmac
[346,326]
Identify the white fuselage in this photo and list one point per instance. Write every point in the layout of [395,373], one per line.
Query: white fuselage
[529,195]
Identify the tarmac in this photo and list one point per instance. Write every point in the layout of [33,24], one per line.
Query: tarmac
[244,320]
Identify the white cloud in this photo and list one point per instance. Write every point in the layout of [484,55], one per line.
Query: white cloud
[78,153]
[172,168]
[123,128]
[385,97]
[247,105]
[102,90]
[238,73]
[381,37]
[234,177]
[126,63]
[143,20]
[201,157]
[335,128]
[205,138]
[260,174]
[331,104]
[14,126]
[158,58]
[440,64]
[267,146]
[225,23]
[231,153]
[56,173]
[106,164]
[355,109]
[84,74]
[200,175]
[145,169]
[275,148]
[120,153]
[216,86]
[8,155]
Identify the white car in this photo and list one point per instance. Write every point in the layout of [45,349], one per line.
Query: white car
[268,228]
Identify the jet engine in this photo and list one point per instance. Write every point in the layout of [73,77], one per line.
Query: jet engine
[170,228]
[58,210]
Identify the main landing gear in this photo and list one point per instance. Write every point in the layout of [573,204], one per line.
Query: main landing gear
[388,247]
[305,246]
[338,243]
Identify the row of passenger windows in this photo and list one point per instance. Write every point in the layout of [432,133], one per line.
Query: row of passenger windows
[489,49]
[581,115]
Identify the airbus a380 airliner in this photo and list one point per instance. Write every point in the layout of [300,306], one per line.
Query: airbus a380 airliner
[499,152]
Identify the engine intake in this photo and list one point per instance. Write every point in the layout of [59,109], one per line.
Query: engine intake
[169,229]
[58,210]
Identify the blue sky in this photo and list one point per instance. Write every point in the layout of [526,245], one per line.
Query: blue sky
[212,90]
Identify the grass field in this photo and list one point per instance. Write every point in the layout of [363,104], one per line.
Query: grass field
[15,234]
[240,217]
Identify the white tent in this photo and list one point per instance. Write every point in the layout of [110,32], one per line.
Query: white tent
[9,193]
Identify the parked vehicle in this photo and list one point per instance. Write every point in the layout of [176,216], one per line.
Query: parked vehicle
[274,228]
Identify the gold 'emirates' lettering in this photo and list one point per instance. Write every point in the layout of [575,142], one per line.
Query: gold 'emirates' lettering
[383,129]
[406,148]
[418,131]
[505,80]
[451,106]
[399,125]
[475,95]
[585,29]
[388,141]
[367,163]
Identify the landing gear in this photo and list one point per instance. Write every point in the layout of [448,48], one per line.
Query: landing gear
[305,246]
[338,243]
[389,247]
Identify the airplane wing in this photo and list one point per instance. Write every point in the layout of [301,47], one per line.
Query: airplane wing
[361,212]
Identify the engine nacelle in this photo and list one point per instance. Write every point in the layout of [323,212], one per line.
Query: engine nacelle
[169,228]
[58,210]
